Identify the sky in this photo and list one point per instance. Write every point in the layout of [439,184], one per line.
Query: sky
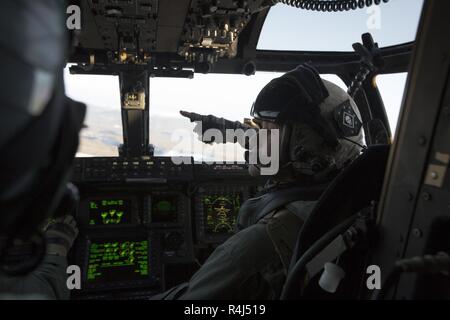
[288,28]
[231,96]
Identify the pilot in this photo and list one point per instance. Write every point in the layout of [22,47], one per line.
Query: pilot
[39,129]
[307,111]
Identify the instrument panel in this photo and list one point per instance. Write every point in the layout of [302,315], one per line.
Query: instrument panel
[216,208]
[141,231]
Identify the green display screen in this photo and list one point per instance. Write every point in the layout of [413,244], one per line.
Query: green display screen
[164,209]
[221,212]
[117,261]
[109,212]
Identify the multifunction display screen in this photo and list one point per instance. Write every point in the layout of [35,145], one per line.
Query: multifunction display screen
[109,211]
[164,208]
[220,212]
[125,260]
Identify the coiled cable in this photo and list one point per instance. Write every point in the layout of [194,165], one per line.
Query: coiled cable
[330,5]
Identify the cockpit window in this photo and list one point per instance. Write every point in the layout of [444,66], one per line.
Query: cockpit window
[103,132]
[292,29]
[227,96]
[391,88]
[223,95]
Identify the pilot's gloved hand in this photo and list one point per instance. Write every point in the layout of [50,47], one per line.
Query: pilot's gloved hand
[60,235]
[205,123]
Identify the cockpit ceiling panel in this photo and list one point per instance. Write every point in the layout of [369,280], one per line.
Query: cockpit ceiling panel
[197,30]
[171,19]
[119,24]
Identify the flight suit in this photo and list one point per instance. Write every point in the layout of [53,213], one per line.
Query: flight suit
[47,282]
[253,263]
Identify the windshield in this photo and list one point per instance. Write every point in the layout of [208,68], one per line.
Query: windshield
[392,88]
[289,28]
[103,132]
[227,96]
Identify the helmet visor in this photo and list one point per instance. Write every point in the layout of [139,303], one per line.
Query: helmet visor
[266,115]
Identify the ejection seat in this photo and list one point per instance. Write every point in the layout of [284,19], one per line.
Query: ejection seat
[338,232]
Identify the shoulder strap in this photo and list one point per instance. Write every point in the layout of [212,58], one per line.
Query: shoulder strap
[284,227]
[255,209]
